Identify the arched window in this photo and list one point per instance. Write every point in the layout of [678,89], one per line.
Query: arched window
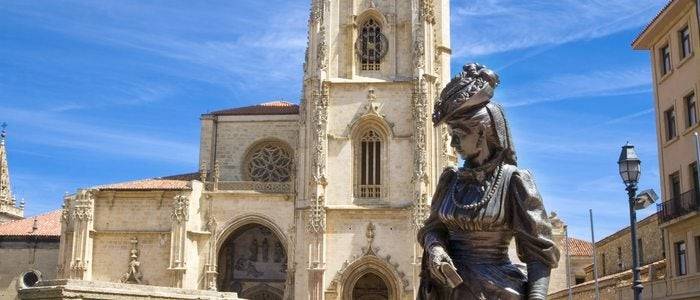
[371,46]
[269,162]
[368,166]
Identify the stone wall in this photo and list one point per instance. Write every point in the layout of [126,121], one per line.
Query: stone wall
[235,135]
[652,246]
[19,256]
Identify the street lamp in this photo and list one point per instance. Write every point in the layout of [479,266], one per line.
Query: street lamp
[630,170]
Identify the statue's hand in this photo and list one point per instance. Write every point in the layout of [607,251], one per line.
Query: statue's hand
[438,256]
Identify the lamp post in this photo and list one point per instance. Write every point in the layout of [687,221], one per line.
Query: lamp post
[630,170]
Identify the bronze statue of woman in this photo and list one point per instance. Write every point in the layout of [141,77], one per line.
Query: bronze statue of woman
[479,208]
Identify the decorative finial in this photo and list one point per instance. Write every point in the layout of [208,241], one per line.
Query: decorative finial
[3,133]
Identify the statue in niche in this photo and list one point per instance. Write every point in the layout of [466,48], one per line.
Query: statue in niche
[479,208]
[279,252]
[253,248]
[265,250]
[133,275]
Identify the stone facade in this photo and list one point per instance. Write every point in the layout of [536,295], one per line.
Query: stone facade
[614,253]
[673,40]
[344,213]
[28,248]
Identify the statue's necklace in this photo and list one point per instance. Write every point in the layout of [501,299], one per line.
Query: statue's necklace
[491,190]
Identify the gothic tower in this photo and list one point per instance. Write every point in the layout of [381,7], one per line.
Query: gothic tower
[8,205]
[369,156]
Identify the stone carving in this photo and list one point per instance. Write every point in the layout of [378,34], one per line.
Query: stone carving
[420,117]
[180,212]
[271,162]
[203,172]
[428,11]
[83,205]
[421,209]
[370,252]
[467,234]
[133,275]
[370,110]
[317,215]
[263,187]
[322,54]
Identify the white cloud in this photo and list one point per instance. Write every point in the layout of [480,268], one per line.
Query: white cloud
[632,80]
[485,27]
[50,129]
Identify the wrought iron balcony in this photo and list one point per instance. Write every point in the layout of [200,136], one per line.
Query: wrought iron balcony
[677,207]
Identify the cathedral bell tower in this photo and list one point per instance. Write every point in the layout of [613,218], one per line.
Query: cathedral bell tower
[370,156]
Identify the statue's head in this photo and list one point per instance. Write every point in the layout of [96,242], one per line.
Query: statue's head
[474,120]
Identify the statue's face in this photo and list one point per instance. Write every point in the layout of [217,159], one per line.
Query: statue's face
[466,141]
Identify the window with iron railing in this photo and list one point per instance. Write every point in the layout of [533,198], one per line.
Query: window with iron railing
[368,166]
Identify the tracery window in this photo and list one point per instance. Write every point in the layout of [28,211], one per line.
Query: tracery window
[269,162]
[371,46]
[368,166]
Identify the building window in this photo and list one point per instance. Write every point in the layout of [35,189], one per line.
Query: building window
[372,46]
[681,263]
[675,184]
[603,263]
[640,252]
[269,162]
[369,166]
[670,124]
[691,110]
[665,60]
[684,38]
[620,265]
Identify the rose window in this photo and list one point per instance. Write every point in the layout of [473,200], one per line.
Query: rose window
[270,163]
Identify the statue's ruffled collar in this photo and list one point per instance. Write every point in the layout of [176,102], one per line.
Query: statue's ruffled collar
[479,174]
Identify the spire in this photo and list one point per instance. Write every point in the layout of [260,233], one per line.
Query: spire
[8,206]
[5,191]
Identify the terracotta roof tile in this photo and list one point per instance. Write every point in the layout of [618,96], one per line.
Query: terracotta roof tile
[47,225]
[579,247]
[269,108]
[147,184]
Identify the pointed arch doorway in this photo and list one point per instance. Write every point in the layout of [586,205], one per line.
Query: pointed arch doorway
[253,263]
[370,287]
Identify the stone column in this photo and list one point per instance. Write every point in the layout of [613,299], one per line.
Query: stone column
[211,272]
[83,222]
[178,233]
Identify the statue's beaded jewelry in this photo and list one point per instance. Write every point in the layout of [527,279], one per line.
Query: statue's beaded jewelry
[491,190]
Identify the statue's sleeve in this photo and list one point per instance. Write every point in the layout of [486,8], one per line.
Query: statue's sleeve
[434,231]
[533,231]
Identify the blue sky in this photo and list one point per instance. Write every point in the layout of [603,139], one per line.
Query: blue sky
[108,91]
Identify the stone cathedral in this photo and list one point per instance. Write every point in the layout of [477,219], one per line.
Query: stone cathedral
[320,200]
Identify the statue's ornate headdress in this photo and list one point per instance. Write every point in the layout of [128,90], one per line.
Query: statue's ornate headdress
[467,94]
[472,89]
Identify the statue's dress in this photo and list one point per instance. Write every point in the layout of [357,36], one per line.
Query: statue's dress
[477,237]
